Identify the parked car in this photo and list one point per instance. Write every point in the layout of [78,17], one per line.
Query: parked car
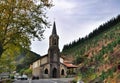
[19,77]
[23,77]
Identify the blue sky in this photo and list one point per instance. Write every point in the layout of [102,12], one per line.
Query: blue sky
[76,18]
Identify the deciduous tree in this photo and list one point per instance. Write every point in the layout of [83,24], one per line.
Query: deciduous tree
[21,21]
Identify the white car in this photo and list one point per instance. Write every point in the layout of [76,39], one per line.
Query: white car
[19,77]
[24,77]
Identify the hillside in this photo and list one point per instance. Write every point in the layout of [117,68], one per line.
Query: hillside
[98,53]
[25,58]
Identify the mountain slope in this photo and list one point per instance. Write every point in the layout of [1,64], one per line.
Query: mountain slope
[25,58]
[98,53]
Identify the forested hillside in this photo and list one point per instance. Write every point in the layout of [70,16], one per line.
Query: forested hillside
[98,53]
[25,58]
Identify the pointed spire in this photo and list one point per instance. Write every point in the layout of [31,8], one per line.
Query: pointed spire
[54,32]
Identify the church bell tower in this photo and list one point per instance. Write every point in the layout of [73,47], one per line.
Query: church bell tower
[54,54]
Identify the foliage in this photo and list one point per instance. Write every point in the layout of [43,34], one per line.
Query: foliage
[74,81]
[28,72]
[22,71]
[79,76]
[12,76]
[7,81]
[79,59]
[25,58]
[99,51]
[105,75]
[21,21]
[7,64]
[102,28]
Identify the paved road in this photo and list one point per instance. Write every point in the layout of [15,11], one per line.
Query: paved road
[60,80]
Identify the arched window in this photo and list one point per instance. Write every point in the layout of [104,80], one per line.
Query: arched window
[62,72]
[46,71]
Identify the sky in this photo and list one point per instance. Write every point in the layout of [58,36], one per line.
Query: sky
[75,19]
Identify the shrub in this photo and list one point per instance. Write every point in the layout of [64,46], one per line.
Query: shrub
[74,81]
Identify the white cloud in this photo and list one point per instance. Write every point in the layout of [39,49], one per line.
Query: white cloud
[63,4]
[76,18]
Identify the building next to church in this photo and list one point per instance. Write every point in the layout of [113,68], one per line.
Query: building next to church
[52,65]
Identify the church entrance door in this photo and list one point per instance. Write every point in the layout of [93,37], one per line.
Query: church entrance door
[54,73]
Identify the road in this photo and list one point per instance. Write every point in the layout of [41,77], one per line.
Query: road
[59,80]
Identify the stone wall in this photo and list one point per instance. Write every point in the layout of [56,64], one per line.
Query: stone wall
[44,60]
[63,67]
[36,72]
[36,64]
[46,67]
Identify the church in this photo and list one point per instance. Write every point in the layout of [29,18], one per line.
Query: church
[52,65]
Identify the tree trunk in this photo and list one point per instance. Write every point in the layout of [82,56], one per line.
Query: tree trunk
[1,50]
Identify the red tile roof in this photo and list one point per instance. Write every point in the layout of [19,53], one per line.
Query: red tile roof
[70,65]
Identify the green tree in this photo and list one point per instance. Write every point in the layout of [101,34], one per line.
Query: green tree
[28,72]
[21,21]
[79,59]
[7,64]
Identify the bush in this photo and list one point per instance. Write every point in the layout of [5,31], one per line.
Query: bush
[12,76]
[73,81]
[6,81]
[28,72]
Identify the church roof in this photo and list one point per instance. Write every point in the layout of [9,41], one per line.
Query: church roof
[54,32]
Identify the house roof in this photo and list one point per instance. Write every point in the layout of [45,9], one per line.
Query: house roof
[69,65]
